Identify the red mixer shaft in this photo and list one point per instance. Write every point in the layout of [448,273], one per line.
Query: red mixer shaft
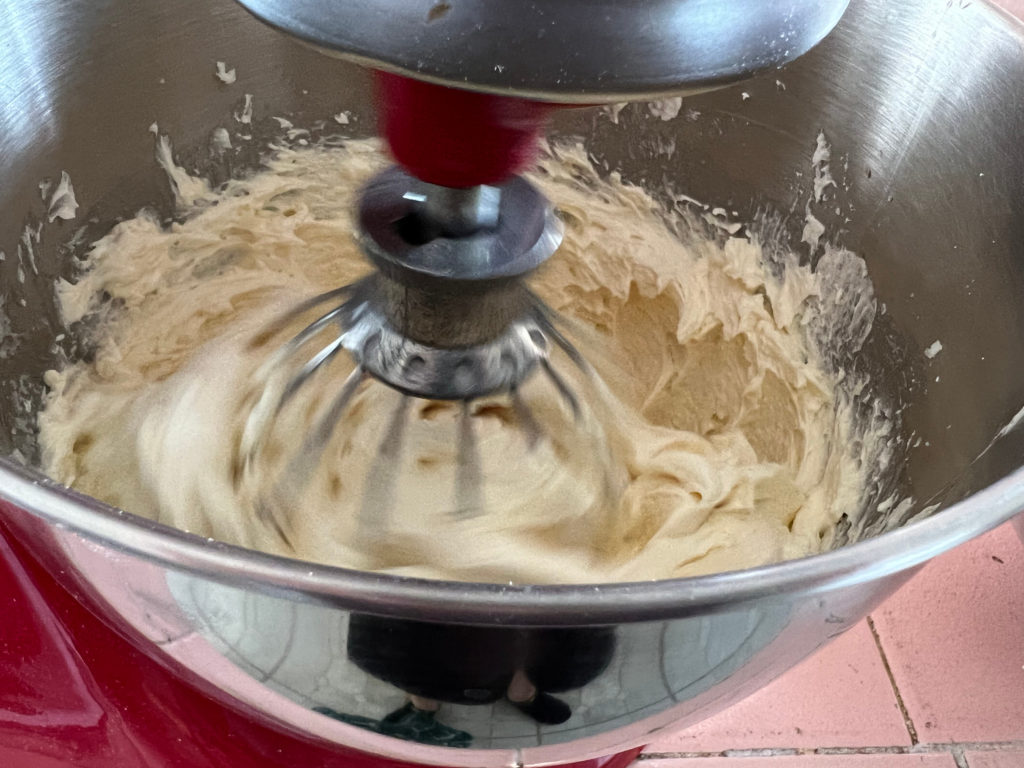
[456,138]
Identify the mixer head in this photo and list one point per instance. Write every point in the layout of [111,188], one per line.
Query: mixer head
[561,51]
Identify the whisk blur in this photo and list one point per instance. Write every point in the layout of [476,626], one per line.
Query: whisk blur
[444,316]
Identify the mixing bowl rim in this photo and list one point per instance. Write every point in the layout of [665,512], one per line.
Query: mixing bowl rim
[480,603]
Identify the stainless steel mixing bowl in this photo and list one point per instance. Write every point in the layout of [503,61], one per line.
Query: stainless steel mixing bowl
[922,102]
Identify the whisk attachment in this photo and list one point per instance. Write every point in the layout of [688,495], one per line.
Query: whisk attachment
[445,316]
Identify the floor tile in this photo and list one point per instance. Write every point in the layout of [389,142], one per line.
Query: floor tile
[954,638]
[943,760]
[996,759]
[1015,7]
[801,709]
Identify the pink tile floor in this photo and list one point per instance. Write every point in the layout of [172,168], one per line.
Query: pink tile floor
[933,679]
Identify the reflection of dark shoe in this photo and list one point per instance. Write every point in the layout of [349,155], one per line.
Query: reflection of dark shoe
[412,724]
[409,724]
[545,709]
[359,720]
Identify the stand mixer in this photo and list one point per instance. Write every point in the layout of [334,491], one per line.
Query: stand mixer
[140,646]
[454,231]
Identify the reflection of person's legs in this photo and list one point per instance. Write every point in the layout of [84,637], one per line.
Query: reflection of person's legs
[424,705]
[432,663]
[564,659]
[557,660]
[435,662]
[539,706]
[520,688]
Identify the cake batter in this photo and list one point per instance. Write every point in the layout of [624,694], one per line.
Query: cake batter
[730,439]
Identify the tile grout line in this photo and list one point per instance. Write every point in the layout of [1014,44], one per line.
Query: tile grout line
[959,757]
[907,721]
[957,750]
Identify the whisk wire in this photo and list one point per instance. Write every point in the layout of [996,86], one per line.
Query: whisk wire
[322,357]
[468,472]
[285,319]
[306,334]
[543,317]
[563,387]
[531,429]
[378,502]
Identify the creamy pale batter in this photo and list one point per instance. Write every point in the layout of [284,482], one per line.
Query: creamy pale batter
[729,439]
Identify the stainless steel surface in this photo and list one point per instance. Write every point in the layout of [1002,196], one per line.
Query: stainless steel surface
[482,365]
[561,50]
[921,103]
[456,212]
[446,316]
[404,225]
